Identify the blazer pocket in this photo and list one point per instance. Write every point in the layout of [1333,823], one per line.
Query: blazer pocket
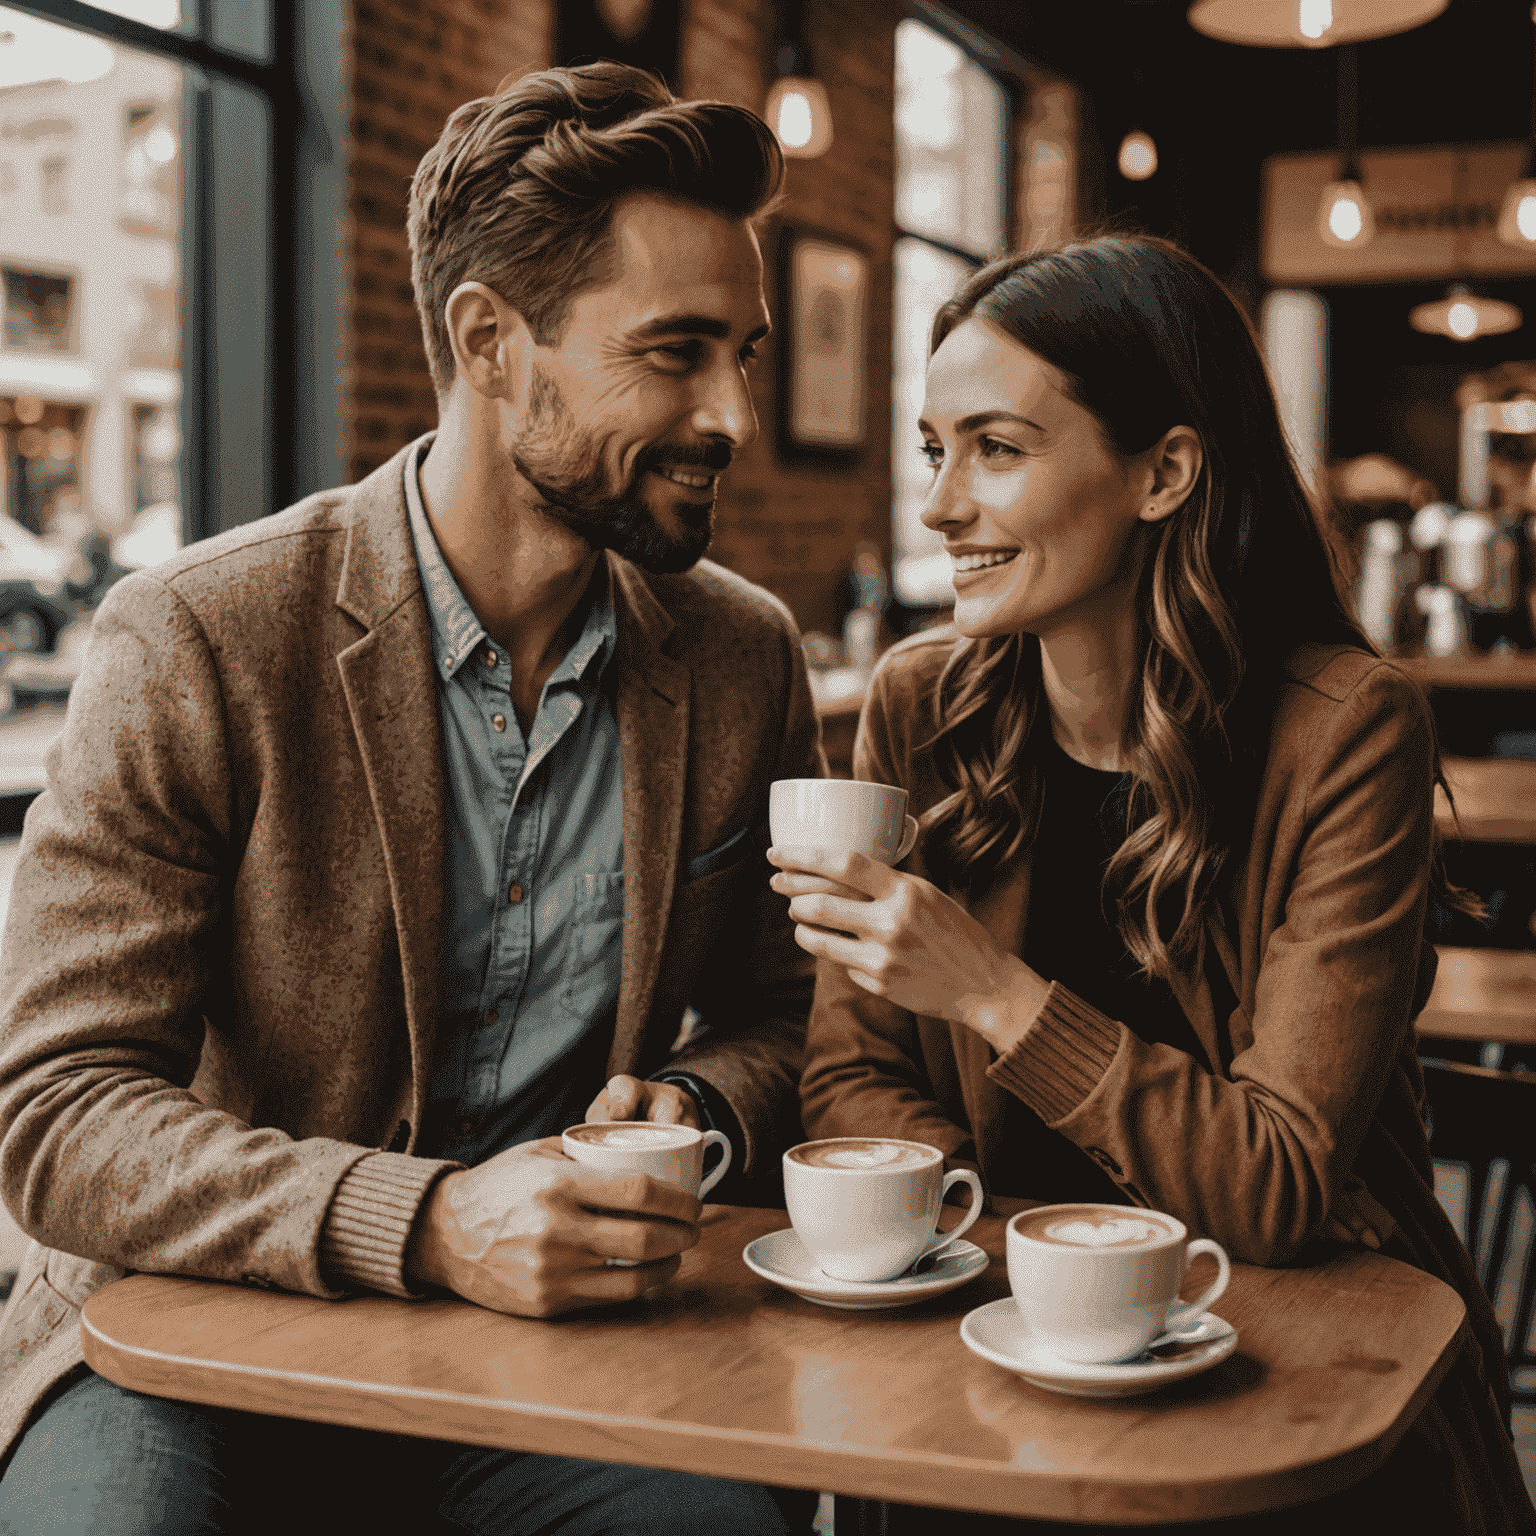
[718,858]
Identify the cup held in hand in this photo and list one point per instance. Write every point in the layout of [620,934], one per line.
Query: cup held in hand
[843,816]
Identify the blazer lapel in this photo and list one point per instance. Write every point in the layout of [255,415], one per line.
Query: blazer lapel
[391,693]
[652,705]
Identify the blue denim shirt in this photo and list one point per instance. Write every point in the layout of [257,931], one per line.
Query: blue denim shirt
[534,910]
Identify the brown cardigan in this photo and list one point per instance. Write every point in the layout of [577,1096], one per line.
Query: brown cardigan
[1307,1103]
[221,966]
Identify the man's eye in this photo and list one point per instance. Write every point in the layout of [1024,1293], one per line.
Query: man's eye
[749,353]
[681,352]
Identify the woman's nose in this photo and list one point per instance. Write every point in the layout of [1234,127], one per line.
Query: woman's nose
[947,505]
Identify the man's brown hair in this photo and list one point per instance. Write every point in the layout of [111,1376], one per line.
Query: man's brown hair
[519,190]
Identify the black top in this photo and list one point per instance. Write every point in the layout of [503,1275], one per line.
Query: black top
[1082,823]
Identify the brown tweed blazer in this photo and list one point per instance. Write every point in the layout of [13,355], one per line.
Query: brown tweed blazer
[220,971]
[1308,1100]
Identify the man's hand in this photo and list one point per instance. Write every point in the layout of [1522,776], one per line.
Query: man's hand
[628,1098]
[530,1232]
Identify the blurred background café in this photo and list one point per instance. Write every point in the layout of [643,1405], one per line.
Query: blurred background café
[208,312]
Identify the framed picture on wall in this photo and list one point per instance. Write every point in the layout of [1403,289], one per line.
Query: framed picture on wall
[825,309]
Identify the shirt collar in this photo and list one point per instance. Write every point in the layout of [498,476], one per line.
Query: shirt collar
[456,632]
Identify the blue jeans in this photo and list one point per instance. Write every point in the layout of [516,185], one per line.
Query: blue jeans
[99,1460]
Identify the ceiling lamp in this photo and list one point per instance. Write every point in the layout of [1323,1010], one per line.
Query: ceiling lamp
[1138,156]
[1517,218]
[1344,217]
[1309,23]
[798,110]
[1464,315]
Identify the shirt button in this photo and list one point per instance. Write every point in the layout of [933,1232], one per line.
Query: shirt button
[490,1015]
[499,721]
[515,893]
[490,658]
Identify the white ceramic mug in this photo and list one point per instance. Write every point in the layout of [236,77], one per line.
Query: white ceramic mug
[874,1216]
[673,1154]
[845,815]
[1099,1283]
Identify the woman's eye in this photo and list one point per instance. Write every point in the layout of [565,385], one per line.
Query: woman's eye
[994,448]
[933,453]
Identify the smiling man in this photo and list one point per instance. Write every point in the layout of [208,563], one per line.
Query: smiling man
[395,833]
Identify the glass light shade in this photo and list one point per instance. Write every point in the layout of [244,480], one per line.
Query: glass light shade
[1344,217]
[1517,218]
[1308,23]
[1463,315]
[800,115]
[1138,156]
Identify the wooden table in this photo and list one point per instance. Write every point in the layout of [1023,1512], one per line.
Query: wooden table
[1487,995]
[722,1372]
[1495,800]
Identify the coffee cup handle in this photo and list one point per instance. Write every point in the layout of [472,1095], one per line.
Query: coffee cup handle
[950,1180]
[716,1139]
[908,839]
[1185,1320]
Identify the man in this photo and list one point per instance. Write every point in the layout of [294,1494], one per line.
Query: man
[391,835]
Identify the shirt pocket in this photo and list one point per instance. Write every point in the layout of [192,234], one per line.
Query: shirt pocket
[593,947]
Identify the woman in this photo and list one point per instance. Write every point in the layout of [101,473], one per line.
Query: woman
[1161,941]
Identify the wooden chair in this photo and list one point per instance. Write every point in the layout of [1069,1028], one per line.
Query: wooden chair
[1483,1127]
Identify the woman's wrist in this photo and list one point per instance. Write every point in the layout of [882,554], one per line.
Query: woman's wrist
[1002,1016]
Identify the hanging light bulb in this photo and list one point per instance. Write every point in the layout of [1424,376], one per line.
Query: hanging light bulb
[1308,23]
[797,108]
[1138,156]
[1517,218]
[1464,315]
[1344,216]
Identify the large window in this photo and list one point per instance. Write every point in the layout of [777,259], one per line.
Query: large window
[952,162]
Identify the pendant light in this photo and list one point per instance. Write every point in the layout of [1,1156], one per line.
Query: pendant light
[1308,23]
[797,109]
[1137,159]
[1517,218]
[1344,217]
[1464,315]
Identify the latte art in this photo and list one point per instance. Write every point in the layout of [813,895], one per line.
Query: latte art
[632,1136]
[1105,1234]
[862,1153]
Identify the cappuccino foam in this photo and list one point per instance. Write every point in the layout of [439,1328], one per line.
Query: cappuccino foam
[861,1153]
[1096,1226]
[630,1136]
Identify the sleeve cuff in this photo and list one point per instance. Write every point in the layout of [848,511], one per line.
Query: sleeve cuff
[362,1243]
[1061,1058]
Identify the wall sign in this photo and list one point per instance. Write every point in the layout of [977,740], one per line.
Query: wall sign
[1436,207]
[826,302]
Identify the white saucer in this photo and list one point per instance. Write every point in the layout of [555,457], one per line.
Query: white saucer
[996,1333]
[780,1257]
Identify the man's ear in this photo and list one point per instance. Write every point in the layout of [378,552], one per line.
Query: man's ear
[1175,464]
[492,345]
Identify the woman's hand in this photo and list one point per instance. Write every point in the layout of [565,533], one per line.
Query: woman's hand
[902,938]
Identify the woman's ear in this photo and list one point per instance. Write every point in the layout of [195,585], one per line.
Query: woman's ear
[491,342]
[1175,463]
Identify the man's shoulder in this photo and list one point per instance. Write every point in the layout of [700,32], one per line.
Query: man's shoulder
[712,594]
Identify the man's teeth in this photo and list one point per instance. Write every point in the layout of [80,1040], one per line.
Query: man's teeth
[981,562]
[697,482]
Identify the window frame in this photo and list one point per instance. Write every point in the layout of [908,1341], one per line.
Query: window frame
[276,84]
[1007,69]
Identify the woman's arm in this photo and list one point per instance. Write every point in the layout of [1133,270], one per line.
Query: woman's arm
[1256,1160]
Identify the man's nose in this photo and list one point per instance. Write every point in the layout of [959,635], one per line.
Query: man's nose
[725,408]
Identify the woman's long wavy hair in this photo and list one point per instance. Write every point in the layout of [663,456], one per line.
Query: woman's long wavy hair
[1147,339]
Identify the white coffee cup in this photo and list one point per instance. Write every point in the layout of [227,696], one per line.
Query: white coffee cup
[672,1154]
[871,1212]
[843,815]
[1099,1283]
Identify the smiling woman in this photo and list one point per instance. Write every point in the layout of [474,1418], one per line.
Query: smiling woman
[1161,939]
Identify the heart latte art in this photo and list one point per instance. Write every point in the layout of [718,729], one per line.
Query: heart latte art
[1104,1234]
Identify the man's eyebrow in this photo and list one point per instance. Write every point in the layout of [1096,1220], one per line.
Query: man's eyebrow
[692,325]
[981,419]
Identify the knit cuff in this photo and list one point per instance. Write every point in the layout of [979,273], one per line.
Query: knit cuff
[1061,1058]
[362,1244]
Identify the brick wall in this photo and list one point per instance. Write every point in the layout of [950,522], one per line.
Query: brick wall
[790,526]
[413,63]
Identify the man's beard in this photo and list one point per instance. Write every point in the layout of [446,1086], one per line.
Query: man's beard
[565,466]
